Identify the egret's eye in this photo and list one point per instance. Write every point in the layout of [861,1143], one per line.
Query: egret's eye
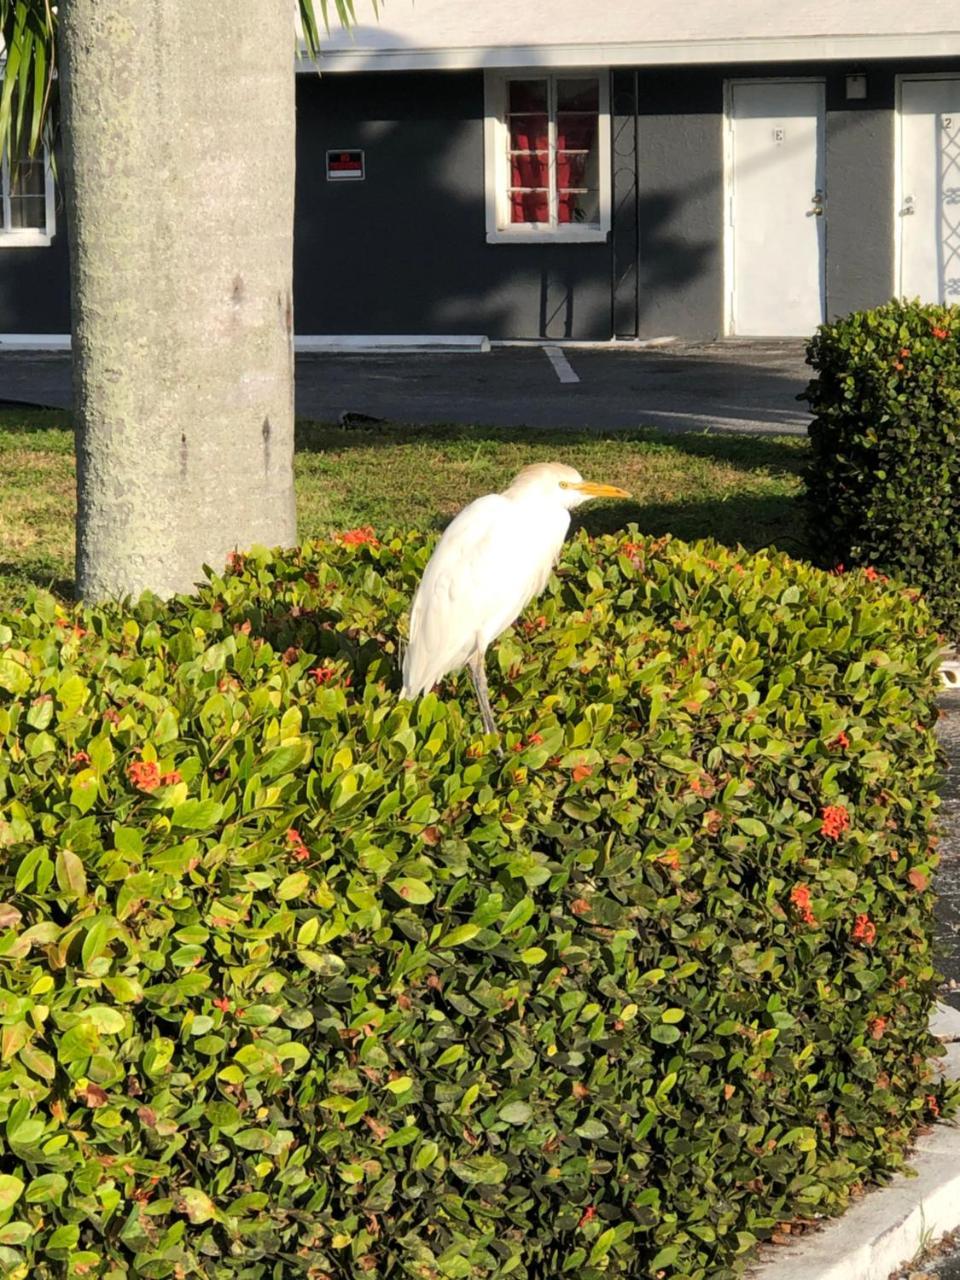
[564,484]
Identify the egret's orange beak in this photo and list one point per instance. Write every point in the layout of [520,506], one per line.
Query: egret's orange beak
[593,490]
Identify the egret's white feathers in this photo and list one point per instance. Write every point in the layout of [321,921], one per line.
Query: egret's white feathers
[489,564]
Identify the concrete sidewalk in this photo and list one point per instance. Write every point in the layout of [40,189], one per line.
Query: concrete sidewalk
[724,386]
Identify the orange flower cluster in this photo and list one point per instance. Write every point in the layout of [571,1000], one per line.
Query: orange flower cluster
[841,740]
[295,846]
[939,332]
[836,820]
[800,898]
[876,1027]
[864,930]
[359,537]
[144,774]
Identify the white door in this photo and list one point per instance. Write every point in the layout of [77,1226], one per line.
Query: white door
[929,212]
[776,207]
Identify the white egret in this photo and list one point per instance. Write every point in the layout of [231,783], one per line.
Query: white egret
[489,564]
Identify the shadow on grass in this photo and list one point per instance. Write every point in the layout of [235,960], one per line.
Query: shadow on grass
[27,417]
[16,579]
[752,522]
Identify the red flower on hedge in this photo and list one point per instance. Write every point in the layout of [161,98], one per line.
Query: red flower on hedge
[938,332]
[295,846]
[933,1105]
[800,898]
[836,820]
[864,930]
[79,759]
[581,771]
[876,1027]
[144,774]
[222,1003]
[841,740]
[359,537]
[170,779]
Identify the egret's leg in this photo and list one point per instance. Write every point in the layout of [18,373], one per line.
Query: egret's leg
[478,674]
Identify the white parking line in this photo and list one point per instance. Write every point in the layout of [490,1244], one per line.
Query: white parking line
[561,364]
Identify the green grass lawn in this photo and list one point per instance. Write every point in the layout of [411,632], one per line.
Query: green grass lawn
[732,488]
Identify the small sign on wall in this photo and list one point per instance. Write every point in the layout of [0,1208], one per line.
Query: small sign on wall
[345,166]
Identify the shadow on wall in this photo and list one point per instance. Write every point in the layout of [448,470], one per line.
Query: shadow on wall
[405,250]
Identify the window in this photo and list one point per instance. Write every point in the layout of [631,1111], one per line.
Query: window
[27,214]
[547,156]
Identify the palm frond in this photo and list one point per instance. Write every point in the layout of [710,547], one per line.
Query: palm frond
[346,15]
[28,65]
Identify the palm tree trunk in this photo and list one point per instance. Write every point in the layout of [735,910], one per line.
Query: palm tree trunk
[179,157]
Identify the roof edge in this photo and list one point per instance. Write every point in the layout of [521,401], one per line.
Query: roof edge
[899,45]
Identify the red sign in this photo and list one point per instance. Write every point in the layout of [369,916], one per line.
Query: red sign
[343,165]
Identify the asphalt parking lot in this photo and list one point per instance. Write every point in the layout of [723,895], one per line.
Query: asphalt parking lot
[724,386]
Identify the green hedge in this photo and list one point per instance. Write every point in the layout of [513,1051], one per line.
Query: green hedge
[300,980]
[883,487]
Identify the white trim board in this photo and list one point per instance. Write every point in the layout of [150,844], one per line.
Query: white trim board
[899,45]
[35,341]
[390,342]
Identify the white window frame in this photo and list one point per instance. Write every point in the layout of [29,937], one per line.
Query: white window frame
[28,237]
[500,230]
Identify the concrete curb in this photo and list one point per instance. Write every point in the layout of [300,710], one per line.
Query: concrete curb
[888,1226]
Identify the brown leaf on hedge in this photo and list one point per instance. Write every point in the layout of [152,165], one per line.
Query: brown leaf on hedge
[147,1116]
[9,915]
[918,879]
[430,835]
[379,1131]
[93,1095]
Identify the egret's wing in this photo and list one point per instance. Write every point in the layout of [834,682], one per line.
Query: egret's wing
[492,559]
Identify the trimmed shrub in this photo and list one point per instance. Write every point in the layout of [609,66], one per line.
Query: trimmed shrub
[300,980]
[883,487]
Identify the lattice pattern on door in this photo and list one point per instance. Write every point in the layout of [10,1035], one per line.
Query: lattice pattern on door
[949,243]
